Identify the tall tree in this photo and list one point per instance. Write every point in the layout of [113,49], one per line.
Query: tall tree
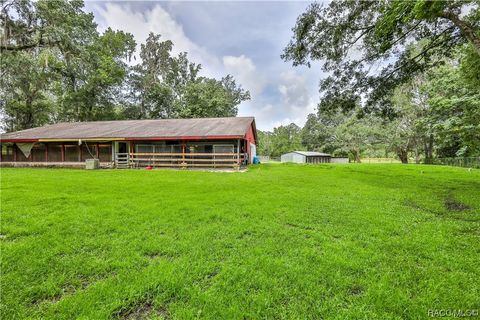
[354,133]
[286,139]
[167,86]
[25,81]
[400,39]
[402,134]
[213,98]
[92,78]
[455,111]
[33,25]
[158,83]
[53,55]
[265,143]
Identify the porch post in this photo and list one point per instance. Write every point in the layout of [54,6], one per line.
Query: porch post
[46,152]
[62,151]
[79,147]
[113,150]
[14,152]
[98,150]
[183,153]
[130,154]
[238,153]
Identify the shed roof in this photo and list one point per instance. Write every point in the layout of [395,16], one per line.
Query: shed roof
[234,127]
[313,154]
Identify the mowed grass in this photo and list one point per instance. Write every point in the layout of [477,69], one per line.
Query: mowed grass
[276,242]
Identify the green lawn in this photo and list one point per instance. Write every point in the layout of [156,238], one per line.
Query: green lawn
[276,242]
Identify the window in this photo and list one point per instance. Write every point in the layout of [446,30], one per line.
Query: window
[71,153]
[105,152]
[54,153]
[89,150]
[7,153]
[38,153]
[144,148]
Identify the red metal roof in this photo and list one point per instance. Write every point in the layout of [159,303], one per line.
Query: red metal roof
[195,129]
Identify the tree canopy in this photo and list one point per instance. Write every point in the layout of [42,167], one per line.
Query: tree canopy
[369,48]
[56,66]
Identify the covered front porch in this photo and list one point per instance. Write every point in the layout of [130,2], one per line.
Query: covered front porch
[128,153]
[181,154]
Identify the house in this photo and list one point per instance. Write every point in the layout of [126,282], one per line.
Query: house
[306,157]
[206,142]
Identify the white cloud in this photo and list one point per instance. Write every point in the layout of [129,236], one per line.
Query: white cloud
[296,98]
[158,21]
[243,69]
[280,95]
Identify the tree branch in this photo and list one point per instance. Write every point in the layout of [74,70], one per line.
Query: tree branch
[21,47]
[429,47]
[465,28]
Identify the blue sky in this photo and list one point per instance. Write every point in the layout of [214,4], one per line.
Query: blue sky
[244,39]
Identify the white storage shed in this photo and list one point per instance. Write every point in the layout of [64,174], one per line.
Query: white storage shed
[306,157]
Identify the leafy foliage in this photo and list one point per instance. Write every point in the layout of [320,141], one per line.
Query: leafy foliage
[56,66]
[24,84]
[455,112]
[283,139]
[369,48]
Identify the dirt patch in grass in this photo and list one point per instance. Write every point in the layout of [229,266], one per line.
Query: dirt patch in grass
[47,299]
[412,204]
[455,209]
[246,234]
[81,282]
[474,231]
[355,290]
[453,205]
[207,279]
[212,274]
[293,225]
[154,255]
[142,310]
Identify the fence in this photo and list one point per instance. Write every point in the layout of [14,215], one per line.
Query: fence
[381,160]
[184,160]
[469,162]
[268,159]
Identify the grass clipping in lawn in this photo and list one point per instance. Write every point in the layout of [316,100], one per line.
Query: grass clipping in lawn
[279,241]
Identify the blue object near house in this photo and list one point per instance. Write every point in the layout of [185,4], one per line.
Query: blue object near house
[256,160]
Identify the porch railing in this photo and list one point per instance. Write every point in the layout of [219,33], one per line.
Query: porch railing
[185,160]
[122,160]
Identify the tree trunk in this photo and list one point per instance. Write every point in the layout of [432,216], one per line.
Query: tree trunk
[403,155]
[465,28]
[356,155]
[429,149]
[28,117]
[417,155]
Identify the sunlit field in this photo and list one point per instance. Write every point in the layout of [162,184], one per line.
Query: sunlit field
[355,241]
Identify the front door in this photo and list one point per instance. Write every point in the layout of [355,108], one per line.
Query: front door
[121,154]
[122,147]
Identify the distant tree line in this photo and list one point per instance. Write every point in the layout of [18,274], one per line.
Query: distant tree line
[403,78]
[437,114]
[56,66]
